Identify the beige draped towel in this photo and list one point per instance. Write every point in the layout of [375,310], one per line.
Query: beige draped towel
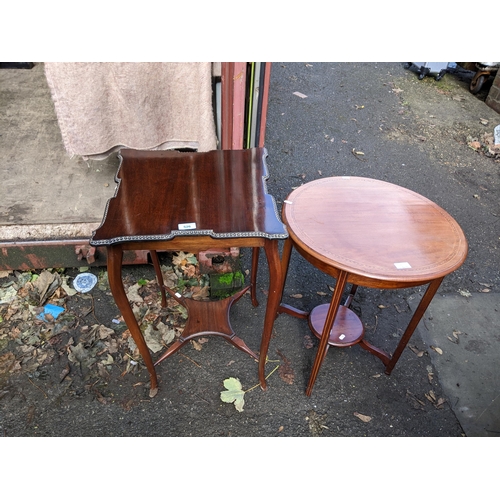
[102,107]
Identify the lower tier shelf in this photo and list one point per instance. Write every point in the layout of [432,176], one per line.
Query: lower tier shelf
[347,328]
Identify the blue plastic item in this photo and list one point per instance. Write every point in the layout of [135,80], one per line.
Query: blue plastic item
[51,309]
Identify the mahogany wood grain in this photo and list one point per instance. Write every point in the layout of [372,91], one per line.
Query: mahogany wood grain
[366,226]
[346,331]
[222,192]
[223,196]
[115,258]
[370,233]
[207,318]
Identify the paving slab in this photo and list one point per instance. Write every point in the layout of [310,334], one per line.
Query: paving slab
[466,330]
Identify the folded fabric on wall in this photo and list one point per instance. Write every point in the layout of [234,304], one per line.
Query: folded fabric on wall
[102,107]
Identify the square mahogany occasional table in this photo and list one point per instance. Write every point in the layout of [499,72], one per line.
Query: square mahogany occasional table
[173,201]
[371,233]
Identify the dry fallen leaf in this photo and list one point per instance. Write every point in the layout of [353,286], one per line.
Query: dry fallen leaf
[7,363]
[455,338]
[234,393]
[437,402]
[196,344]
[296,295]
[133,293]
[180,259]
[437,349]
[308,343]
[46,284]
[189,270]
[363,418]
[418,403]
[285,370]
[417,351]
[322,293]
[153,338]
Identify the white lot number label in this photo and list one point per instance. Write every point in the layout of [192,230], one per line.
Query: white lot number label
[402,265]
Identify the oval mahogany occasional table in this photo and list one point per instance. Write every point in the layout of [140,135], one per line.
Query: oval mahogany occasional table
[371,233]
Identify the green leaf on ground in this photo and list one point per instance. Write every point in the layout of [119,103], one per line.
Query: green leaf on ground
[234,393]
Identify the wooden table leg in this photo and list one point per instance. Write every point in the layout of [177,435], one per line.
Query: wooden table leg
[388,360]
[348,301]
[285,261]
[273,300]
[159,276]
[417,316]
[115,256]
[285,258]
[325,335]
[253,276]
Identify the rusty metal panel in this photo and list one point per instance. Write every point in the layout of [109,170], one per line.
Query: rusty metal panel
[265,102]
[24,255]
[233,104]
[227,105]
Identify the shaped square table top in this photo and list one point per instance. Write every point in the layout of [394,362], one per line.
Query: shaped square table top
[164,194]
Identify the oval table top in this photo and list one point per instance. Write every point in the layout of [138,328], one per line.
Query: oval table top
[380,233]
